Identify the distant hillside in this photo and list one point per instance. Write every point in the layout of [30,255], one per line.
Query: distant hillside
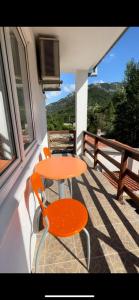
[63,103]
[97,93]
[63,110]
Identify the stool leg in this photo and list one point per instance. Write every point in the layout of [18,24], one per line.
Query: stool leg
[39,248]
[61,188]
[70,180]
[88,247]
[38,219]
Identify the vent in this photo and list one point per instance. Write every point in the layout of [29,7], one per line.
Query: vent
[48,62]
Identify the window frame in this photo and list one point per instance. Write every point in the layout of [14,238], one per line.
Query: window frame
[23,155]
[25,69]
[29,82]
[16,162]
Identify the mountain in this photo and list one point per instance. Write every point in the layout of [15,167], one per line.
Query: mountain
[63,103]
[64,110]
[97,93]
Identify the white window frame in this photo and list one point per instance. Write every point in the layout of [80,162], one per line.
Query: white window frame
[15,163]
[23,156]
[12,75]
[29,82]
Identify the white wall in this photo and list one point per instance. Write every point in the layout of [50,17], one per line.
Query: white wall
[17,210]
[132,164]
[16,219]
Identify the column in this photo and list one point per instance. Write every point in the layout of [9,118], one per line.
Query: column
[81,98]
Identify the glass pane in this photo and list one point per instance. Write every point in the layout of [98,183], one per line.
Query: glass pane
[7,146]
[19,62]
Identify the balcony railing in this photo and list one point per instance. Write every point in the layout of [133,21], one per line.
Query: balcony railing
[126,151]
[64,143]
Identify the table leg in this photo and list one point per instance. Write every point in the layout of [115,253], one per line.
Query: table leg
[61,188]
[70,181]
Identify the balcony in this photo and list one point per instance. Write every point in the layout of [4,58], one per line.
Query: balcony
[113,226]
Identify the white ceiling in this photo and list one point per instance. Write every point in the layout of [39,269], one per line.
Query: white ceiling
[82,47]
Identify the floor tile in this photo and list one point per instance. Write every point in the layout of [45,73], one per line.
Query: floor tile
[113,228]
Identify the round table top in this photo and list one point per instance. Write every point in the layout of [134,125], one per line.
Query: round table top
[61,167]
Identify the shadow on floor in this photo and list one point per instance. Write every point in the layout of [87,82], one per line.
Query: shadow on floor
[100,241]
[114,240]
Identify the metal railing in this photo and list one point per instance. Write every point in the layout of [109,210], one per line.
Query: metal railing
[125,151]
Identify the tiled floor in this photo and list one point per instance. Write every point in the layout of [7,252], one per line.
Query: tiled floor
[113,228]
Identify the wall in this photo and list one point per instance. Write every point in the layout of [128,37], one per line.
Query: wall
[17,210]
[132,164]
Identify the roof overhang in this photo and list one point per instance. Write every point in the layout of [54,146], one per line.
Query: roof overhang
[82,47]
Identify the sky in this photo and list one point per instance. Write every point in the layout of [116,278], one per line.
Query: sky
[110,69]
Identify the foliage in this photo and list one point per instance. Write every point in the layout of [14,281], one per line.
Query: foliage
[112,107]
[99,97]
[67,127]
[126,103]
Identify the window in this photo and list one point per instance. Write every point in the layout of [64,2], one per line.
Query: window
[22,88]
[16,120]
[7,145]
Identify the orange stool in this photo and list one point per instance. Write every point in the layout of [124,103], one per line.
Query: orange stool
[47,152]
[62,218]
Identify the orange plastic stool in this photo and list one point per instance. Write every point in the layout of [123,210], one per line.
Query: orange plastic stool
[47,152]
[63,218]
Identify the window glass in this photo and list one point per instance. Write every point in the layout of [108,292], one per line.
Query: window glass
[20,72]
[7,146]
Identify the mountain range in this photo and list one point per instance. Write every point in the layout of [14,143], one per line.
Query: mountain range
[100,93]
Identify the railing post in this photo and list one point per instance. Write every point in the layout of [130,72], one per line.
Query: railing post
[123,168]
[95,152]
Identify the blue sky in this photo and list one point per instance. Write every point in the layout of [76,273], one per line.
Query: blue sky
[110,69]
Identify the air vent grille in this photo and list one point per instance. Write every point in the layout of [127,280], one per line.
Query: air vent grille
[48,62]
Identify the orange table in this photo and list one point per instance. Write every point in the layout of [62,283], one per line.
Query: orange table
[61,168]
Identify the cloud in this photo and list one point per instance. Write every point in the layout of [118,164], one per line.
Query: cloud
[109,57]
[68,88]
[112,55]
[57,95]
[98,81]
[52,94]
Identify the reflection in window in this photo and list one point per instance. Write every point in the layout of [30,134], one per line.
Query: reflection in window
[19,62]
[7,146]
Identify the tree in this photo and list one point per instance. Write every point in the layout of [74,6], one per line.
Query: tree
[91,122]
[101,117]
[109,118]
[126,104]
[120,127]
[132,94]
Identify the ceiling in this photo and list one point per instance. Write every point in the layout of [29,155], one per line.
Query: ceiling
[82,47]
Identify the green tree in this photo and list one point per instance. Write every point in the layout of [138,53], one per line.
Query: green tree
[109,118]
[120,119]
[126,103]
